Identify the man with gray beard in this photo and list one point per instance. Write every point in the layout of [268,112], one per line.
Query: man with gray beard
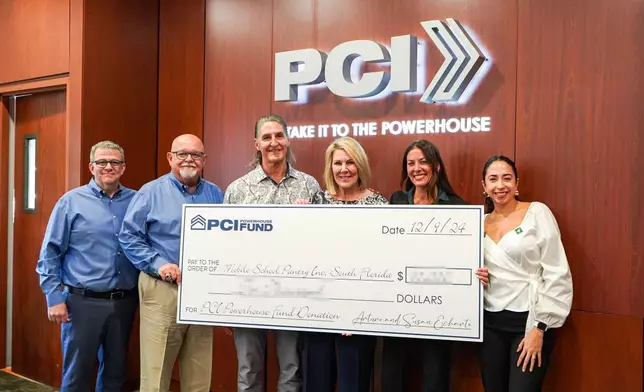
[150,237]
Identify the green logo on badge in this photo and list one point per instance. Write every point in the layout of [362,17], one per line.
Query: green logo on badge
[518,230]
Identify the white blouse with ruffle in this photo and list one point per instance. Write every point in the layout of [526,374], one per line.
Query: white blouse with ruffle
[529,270]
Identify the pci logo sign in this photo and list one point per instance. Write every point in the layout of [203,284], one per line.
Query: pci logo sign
[201,223]
[308,67]
[198,223]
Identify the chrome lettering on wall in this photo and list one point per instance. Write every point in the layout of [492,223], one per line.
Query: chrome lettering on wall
[307,67]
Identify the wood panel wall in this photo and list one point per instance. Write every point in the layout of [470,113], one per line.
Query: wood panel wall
[34,48]
[75,94]
[579,139]
[579,149]
[237,84]
[563,91]
[239,80]
[597,352]
[34,41]
[181,73]
[110,50]
[119,85]
[4,217]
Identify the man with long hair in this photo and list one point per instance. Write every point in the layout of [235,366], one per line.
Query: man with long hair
[273,180]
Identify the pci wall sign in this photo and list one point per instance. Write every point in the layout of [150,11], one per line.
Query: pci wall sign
[310,67]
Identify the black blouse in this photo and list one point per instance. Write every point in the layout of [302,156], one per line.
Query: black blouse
[407,197]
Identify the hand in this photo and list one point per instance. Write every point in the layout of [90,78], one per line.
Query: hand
[530,348]
[170,272]
[346,334]
[483,275]
[302,202]
[58,313]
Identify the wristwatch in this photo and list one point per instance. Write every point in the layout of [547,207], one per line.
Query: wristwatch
[541,326]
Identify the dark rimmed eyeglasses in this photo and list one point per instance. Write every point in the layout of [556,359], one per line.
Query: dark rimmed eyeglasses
[102,163]
[184,155]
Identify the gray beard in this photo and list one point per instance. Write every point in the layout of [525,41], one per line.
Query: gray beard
[188,172]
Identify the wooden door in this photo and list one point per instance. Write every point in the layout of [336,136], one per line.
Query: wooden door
[40,141]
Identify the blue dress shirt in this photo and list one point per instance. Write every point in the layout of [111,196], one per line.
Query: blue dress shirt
[151,231]
[81,247]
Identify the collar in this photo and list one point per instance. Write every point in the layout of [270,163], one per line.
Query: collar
[442,196]
[181,186]
[98,191]
[258,174]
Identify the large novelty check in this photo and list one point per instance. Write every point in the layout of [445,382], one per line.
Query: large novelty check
[404,271]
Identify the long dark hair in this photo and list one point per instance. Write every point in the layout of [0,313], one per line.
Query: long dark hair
[438,180]
[489,204]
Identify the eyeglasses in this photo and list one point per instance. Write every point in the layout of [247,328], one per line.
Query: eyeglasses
[103,163]
[184,155]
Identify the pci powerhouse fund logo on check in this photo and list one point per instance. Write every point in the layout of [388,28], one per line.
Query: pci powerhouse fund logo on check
[198,222]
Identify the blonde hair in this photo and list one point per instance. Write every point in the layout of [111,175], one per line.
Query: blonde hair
[357,154]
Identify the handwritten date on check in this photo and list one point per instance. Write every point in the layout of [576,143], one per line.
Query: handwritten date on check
[406,271]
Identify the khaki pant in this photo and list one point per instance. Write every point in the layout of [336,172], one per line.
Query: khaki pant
[163,340]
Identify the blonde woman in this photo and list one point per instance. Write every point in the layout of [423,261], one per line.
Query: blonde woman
[345,362]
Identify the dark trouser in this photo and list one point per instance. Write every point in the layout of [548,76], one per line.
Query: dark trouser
[331,357]
[436,363]
[502,335]
[250,344]
[98,329]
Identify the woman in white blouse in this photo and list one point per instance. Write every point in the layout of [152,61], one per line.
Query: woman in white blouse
[530,285]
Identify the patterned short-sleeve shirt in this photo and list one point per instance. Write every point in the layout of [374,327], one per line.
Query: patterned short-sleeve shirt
[257,187]
[374,198]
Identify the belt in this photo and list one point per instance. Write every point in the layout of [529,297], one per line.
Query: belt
[111,295]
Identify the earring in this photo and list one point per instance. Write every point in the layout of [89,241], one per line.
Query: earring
[516,193]
[486,195]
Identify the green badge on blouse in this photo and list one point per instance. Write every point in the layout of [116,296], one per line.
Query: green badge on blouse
[518,230]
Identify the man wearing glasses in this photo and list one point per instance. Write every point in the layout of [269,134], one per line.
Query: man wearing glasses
[89,284]
[150,237]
